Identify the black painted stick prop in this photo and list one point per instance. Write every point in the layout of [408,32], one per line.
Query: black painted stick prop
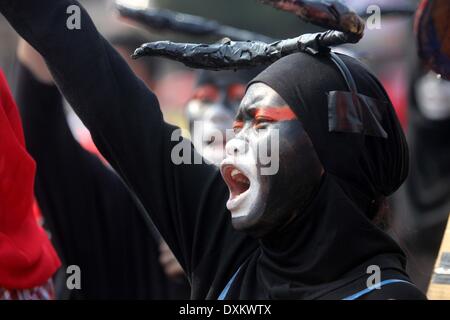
[162,20]
[347,28]
[238,54]
[329,14]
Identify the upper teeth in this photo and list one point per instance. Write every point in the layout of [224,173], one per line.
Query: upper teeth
[237,175]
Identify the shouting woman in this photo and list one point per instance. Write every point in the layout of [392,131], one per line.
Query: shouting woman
[305,230]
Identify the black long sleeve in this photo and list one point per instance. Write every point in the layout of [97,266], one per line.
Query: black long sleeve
[187,201]
[94,221]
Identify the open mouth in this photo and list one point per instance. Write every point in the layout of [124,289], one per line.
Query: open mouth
[238,184]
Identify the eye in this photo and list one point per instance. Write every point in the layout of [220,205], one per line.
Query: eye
[262,122]
[237,126]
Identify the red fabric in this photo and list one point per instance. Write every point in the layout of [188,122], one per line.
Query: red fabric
[27,258]
[396,89]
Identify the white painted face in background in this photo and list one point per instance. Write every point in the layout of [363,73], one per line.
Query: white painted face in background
[212,109]
[433,96]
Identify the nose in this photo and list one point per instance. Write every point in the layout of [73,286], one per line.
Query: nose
[235,147]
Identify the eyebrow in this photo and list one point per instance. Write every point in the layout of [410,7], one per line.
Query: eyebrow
[251,110]
[278,113]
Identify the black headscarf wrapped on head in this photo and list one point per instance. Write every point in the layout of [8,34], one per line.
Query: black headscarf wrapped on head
[364,147]
[326,251]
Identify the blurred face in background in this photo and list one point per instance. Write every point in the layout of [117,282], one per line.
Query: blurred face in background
[212,109]
[433,96]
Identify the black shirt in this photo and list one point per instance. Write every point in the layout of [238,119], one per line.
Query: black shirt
[94,221]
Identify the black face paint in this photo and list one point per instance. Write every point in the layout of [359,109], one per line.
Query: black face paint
[264,200]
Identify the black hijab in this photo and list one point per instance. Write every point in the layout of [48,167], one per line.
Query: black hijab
[326,250]
[367,165]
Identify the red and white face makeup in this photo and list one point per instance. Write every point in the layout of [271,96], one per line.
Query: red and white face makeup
[262,201]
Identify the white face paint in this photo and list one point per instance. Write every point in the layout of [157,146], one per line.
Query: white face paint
[211,112]
[209,133]
[433,96]
[239,169]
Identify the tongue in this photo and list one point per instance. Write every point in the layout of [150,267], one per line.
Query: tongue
[241,184]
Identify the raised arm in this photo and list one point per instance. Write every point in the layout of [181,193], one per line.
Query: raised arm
[77,192]
[127,126]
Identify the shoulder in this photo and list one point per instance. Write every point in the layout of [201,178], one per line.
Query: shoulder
[396,291]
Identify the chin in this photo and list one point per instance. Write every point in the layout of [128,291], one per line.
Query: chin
[251,224]
[245,219]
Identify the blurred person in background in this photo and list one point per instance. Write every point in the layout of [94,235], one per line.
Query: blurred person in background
[95,222]
[385,46]
[427,189]
[28,261]
[421,100]
[423,203]
[212,108]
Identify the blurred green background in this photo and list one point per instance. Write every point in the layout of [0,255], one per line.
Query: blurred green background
[247,14]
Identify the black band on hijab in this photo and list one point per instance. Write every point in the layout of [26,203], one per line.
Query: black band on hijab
[357,113]
[353,112]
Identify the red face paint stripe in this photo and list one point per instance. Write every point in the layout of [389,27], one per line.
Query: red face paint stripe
[207,92]
[276,113]
[236,91]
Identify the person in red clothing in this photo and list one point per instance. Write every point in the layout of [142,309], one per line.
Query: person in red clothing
[27,258]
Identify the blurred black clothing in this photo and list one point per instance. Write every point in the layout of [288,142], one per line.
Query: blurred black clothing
[422,206]
[94,221]
[187,201]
